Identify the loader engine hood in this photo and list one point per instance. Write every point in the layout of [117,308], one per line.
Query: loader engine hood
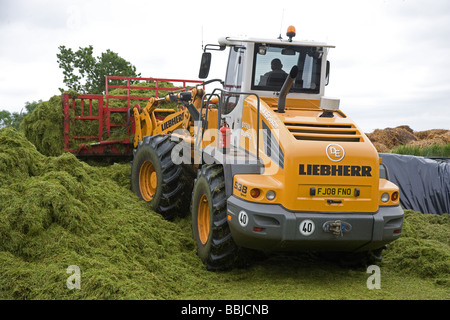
[325,164]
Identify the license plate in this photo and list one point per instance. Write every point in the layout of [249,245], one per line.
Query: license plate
[325,191]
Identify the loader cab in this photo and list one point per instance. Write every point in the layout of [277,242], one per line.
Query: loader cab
[260,66]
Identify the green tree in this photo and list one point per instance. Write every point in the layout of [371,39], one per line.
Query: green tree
[5,118]
[86,74]
[13,119]
[30,106]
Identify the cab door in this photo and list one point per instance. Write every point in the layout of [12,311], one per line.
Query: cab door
[232,104]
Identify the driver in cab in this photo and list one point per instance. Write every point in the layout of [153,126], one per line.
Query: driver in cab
[274,77]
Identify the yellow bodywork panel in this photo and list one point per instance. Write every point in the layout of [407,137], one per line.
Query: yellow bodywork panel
[147,124]
[311,163]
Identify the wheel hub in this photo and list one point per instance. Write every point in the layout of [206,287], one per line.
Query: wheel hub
[203,220]
[148,181]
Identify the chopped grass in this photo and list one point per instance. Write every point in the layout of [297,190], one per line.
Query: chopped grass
[424,247]
[64,212]
[44,127]
[59,211]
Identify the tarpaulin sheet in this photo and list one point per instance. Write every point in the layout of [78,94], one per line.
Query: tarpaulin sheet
[424,183]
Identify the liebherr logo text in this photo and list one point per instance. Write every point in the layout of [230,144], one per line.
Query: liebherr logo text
[334,170]
[171,122]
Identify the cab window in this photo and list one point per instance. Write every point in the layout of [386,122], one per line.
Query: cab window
[273,63]
[233,78]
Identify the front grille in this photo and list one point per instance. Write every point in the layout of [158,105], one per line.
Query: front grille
[324,132]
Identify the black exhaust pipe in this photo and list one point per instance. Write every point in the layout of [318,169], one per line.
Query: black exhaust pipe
[285,89]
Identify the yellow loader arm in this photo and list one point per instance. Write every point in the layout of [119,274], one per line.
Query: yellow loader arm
[147,124]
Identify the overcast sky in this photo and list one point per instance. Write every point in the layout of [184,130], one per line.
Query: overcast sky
[390,66]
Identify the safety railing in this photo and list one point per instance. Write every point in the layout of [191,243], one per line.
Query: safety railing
[76,106]
[222,95]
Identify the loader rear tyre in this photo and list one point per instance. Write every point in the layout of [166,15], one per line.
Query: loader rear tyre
[215,246]
[157,180]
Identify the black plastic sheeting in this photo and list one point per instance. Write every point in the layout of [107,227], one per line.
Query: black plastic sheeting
[424,183]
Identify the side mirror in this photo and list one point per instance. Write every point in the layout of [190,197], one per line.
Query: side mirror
[327,74]
[204,65]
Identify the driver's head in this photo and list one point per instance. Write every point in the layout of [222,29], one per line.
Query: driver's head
[276,64]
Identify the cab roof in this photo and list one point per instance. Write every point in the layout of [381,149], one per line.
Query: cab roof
[229,41]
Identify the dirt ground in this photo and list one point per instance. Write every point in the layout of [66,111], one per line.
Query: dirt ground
[386,139]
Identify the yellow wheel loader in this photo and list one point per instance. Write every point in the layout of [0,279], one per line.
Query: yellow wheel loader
[266,161]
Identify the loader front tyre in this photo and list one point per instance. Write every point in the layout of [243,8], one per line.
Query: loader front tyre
[157,180]
[210,229]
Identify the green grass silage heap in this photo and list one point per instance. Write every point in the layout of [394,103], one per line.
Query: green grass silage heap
[58,211]
[44,127]
[423,249]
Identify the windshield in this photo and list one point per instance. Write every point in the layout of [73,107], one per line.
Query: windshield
[272,64]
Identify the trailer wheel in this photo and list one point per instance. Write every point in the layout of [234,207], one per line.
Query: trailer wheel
[157,180]
[215,246]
